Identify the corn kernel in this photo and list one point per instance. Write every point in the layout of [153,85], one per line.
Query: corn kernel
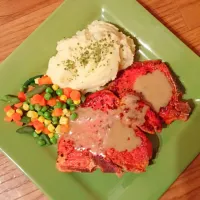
[51,128]
[66,112]
[54,87]
[19,111]
[36,80]
[34,114]
[63,120]
[41,119]
[57,129]
[25,106]
[63,98]
[38,131]
[10,113]
[29,113]
[51,135]
[47,122]
[77,102]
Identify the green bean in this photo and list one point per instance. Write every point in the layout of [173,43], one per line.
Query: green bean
[25,119]
[25,129]
[45,138]
[29,82]
[53,140]
[38,90]
[41,142]
[10,99]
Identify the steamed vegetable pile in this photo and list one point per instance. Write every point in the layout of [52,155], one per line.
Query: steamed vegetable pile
[42,109]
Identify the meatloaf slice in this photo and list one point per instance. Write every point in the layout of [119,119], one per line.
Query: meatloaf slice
[176,109]
[71,159]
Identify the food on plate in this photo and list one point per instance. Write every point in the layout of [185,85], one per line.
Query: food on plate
[98,103]
[153,81]
[104,137]
[91,58]
[42,109]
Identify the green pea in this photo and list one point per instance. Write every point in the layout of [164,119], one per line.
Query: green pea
[83,98]
[40,113]
[47,115]
[70,101]
[72,108]
[35,135]
[58,105]
[55,118]
[38,107]
[53,140]
[73,116]
[64,106]
[56,135]
[31,107]
[49,118]
[41,142]
[44,108]
[54,122]
[47,96]
[59,92]
[49,90]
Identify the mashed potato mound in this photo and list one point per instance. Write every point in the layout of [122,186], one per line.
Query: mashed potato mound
[91,58]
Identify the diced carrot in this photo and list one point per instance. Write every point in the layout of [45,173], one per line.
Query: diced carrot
[7,119]
[75,95]
[46,131]
[36,99]
[45,80]
[57,112]
[30,87]
[64,128]
[67,92]
[16,117]
[38,125]
[7,108]
[18,105]
[19,123]
[51,102]
[22,96]
[42,102]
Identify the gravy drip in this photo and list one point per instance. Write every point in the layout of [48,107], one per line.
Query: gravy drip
[155,89]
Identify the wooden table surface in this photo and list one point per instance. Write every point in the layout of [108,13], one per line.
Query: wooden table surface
[19,18]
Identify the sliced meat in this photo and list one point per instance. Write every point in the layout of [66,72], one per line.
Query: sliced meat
[72,159]
[136,160]
[105,100]
[130,80]
[102,100]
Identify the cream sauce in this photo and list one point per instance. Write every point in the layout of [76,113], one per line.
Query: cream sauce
[98,131]
[155,89]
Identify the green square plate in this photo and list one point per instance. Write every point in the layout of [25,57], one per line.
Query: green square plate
[180,141]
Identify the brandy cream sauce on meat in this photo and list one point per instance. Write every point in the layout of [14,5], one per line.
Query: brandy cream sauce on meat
[155,89]
[98,131]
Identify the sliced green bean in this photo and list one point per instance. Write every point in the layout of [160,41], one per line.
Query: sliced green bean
[25,129]
[38,90]
[10,99]
[25,119]
[29,82]
[45,138]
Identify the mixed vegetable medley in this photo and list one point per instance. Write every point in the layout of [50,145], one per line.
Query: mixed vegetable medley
[42,109]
